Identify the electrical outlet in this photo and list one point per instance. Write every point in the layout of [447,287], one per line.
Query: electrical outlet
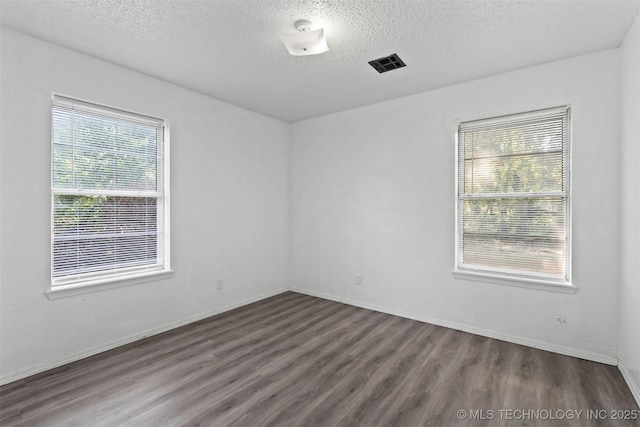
[219,284]
[359,279]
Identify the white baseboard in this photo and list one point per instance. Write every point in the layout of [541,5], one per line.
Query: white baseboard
[117,343]
[567,351]
[633,385]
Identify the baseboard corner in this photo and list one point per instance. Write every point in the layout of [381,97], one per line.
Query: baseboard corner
[631,383]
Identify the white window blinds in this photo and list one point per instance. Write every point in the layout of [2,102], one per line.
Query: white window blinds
[108,193]
[513,194]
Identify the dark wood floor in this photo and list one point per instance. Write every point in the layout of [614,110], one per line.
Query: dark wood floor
[295,360]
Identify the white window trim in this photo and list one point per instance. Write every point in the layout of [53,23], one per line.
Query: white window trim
[505,278]
[97,282]
[519,282]
[90,286]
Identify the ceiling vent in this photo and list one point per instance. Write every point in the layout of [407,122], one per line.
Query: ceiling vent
[388,63]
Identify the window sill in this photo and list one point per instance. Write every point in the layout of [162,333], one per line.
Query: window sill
[89,286]
[520,282]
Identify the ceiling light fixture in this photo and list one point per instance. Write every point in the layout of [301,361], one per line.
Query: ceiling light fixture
[305,41]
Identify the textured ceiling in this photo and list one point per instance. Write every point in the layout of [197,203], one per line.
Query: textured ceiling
[231,50]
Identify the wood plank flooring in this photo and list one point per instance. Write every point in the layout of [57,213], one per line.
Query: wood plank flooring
[296,360]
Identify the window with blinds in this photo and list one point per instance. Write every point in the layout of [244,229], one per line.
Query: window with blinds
[109,204]
[513,196]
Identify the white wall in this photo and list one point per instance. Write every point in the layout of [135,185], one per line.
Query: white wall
[630,284]
[373,194]
[230,210]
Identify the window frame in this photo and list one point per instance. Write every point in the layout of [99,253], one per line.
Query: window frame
[100,280]
[504,276]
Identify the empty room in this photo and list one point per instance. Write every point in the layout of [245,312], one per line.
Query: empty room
[319,213]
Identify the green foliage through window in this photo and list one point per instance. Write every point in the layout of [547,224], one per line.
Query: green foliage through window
[108,190]
[513,179]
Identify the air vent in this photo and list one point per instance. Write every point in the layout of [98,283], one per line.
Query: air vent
[388,63]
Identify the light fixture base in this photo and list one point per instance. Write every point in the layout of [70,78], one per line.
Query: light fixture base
[305,41]
[303,25]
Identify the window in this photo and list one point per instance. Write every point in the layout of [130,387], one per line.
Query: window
[109,195]
[513,197]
